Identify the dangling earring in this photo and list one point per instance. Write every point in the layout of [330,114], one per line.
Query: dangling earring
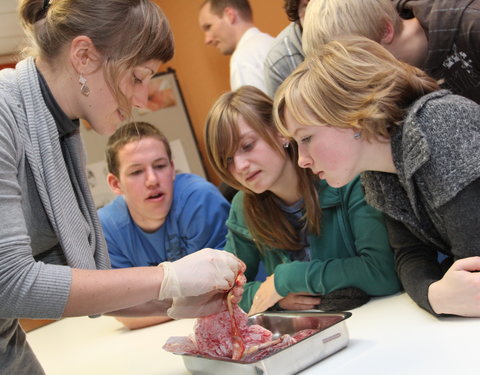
[357,135]
[83,82]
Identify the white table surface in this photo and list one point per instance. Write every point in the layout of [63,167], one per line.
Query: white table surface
[389,335]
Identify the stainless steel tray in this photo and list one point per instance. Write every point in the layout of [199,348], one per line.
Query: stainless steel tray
[332,337]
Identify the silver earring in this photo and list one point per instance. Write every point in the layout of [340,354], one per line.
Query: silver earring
[84,89]
[357,135]
[286,145]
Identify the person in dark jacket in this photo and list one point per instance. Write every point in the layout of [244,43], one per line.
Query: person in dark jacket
[354,108]
[441,37]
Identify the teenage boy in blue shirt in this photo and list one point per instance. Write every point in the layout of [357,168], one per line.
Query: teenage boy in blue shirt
[158,216]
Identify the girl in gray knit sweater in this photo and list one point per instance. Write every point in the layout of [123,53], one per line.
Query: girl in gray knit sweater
[417,148]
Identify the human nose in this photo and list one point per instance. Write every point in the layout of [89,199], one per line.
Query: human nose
[208,39]
[150,177]
[304,161]
[140,96]
[240,163]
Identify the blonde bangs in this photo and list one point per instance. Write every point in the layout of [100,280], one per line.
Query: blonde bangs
[307,95]
[360,95]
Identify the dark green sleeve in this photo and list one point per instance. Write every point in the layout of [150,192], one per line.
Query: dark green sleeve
[240,243]
[370,267]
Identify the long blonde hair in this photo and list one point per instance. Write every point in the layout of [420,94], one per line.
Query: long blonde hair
[352,82]
[265,219]
[126,32]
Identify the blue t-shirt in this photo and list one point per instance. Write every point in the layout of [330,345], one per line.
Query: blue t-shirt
[196,220]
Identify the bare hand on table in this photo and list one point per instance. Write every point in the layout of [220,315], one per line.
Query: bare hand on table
[265,297]
[299,301]
[458,292]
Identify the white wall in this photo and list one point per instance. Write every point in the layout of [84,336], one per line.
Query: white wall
[12,37]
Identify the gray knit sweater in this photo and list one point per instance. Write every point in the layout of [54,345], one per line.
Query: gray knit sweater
[48,212]
[433,202]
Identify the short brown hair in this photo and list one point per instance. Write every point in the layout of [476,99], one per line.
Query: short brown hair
[291,8]
[128,133]
[242,6]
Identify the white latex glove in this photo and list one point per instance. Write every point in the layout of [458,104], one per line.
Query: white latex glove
[199,273]
[197,306]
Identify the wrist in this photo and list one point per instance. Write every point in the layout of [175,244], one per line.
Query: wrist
[161,275]
[434,298]
[278,296]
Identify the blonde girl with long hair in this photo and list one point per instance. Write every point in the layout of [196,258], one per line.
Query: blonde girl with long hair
[355,109]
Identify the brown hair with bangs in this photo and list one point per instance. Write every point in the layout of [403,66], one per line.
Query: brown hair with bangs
[126,32]
[265,219]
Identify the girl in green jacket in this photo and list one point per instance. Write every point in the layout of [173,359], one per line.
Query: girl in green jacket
[321,246]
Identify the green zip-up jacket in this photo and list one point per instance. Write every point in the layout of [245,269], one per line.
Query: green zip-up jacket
[351,251]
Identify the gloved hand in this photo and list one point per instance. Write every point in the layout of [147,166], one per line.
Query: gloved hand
[199,273]
[205,304]
[237,290]
[197,306]
[265,297]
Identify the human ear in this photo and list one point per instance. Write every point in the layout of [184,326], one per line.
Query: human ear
[284,141]
[230,14]
[388,33]
[84,57]
[114,184]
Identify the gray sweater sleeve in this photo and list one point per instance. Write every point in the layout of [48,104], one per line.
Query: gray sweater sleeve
[416,262]
[28,288]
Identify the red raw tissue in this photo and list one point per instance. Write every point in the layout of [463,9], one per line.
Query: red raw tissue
[213,338]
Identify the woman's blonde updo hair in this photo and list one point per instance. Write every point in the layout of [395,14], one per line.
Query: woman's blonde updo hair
[352,82]
[126,32]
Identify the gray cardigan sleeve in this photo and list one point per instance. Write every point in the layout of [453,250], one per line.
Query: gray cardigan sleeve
[28,288]
[416,262]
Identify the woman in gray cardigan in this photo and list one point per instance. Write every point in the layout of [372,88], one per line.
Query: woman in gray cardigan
[92,60]
[417,148]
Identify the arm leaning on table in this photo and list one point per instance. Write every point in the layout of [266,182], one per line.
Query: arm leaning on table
[351,251]
[421,273]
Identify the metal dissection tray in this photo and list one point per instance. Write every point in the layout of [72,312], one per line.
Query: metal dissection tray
[331,337]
